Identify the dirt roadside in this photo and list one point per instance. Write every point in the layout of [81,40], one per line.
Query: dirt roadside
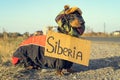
[104,65]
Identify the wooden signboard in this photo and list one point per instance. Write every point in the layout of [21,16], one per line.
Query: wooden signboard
[66,47]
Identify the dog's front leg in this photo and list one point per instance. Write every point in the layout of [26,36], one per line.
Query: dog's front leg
[59,72]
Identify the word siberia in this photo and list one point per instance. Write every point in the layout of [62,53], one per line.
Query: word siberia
[55,47]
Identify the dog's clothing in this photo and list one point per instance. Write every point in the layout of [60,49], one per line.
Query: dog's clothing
[31,53]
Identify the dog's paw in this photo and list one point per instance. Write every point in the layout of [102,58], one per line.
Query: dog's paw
[29,67]
[59,73]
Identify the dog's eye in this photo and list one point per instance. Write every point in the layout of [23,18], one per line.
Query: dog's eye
[70,18]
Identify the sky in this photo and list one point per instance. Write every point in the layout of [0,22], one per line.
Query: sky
[33,15]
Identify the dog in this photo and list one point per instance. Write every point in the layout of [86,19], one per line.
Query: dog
[31,54]
[31,51]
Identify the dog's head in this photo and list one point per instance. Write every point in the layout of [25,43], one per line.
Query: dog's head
[71,22]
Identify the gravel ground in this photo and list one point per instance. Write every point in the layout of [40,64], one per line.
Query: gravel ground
[104,65]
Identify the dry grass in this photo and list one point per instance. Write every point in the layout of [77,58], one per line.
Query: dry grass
[7,47]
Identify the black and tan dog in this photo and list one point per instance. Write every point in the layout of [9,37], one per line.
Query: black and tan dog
[31,51]
[31,54]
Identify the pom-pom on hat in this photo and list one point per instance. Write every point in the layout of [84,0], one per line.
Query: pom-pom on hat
[66,7]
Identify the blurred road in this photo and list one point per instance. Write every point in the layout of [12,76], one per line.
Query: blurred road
[110,39]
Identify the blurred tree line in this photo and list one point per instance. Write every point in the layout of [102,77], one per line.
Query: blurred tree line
[5,35]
